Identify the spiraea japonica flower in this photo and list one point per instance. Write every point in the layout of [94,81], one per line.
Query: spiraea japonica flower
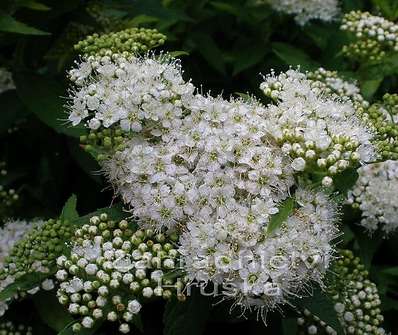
[306,10]
[375,36]
[376,195]
[193,163]
[263,268]
[312,126]
[134,93]
[113,269]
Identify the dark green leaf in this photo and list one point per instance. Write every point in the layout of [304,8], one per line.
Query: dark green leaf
[210,51]
[389,8]
[367,246]
[51,311]
[293,56]
[322,306]
[226,7]
[289,326]
[43,96]
[69,211]
[10,25]
[11,111]
[115,212]
[247,57]
[345,181]
[178,53]
[285,209]
[189,317]
[31,4]
[68,329]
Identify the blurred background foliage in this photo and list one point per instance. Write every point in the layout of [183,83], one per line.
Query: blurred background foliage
[224,47]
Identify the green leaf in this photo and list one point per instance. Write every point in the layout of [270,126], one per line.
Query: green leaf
[115,212]
[285,209]
[51,311]
[10,25]
[248,57]
[393,271]
[368,246]
[294,57]
[69,211]
[210,51]
[43,97]
[369,87]
[322,306]
[178,53]
[345,181]
[389,8]
[189,317]
[24,283]
[31,4]
[226,7]
[142,19]
[68,329]
[289,326]
[12,110]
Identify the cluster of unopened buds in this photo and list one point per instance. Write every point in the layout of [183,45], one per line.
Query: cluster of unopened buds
[332,84]
[102,143]
[383,118]
[37,251]
[113,268]
[132,40]
[375,194]
[375,36]
[9,328]
[315,135]
[356,301]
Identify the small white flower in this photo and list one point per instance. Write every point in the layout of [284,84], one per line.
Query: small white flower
[134,307]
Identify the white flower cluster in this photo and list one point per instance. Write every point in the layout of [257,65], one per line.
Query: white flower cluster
[315,129]
[112,269]
[216,163]
[12,232]
[306,10]
[376,195]
[376,35]
[134,93]
[332,84]
[6,81]
[257,267]
[222,164]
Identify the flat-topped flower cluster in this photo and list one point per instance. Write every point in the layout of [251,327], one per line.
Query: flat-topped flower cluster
[217,171]
[306,10]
